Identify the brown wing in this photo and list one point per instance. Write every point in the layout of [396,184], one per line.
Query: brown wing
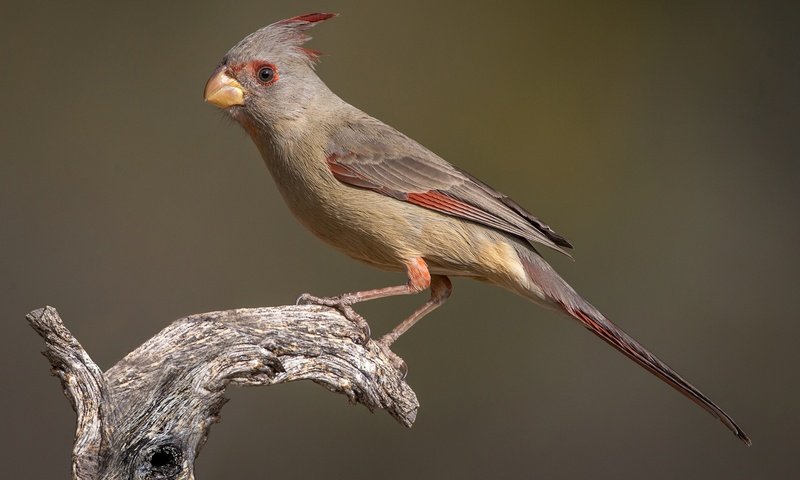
[392,164]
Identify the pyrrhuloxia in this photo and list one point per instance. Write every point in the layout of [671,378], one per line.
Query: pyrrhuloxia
[380,197]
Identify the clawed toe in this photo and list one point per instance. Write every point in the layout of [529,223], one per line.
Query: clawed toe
[305,299]
[308,299]
[350,314]
[397,362]
[342,304]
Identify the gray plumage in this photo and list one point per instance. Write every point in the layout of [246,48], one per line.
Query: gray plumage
[380,197]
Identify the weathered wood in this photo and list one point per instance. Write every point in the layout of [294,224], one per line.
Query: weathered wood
[148,416]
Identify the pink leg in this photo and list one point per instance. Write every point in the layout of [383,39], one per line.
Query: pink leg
[419,278]
[440,292]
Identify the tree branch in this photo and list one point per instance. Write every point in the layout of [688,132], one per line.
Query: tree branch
[148,416]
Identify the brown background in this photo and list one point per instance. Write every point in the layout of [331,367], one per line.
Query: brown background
[660,138]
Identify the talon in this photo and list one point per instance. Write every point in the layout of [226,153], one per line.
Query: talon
[366,332]
[308,299]
[403,367]
[341,303]
[358,320]
[397,362]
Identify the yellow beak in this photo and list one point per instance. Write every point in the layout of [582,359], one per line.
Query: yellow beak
[222,90]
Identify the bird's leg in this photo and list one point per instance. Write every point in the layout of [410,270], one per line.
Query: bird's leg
[440,292]
[419,278]
[441,288]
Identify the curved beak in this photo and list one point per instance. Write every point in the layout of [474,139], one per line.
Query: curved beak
[222,90]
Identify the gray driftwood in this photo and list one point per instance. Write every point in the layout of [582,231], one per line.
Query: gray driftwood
[148,416]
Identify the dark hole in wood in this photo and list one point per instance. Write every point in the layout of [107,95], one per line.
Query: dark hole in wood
[165,462]
[162,458]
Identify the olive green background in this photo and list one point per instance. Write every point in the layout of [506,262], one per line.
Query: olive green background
[659,137]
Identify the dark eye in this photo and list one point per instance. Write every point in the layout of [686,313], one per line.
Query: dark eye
[266,74]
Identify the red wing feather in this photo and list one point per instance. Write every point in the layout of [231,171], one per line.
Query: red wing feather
[441,202]
[440,187]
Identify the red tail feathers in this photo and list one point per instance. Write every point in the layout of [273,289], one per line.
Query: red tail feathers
[550,285]
[618,339]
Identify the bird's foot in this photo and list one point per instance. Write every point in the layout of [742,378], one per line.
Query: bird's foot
[397,362]
[343,304]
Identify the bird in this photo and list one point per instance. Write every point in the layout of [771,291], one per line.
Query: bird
[380,197]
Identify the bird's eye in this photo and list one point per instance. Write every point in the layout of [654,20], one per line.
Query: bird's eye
[266,74]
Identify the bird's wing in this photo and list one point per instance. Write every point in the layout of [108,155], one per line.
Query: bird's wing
[386,161]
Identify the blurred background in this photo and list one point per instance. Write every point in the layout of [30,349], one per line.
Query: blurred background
[659,137]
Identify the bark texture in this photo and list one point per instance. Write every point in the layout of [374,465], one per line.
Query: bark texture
[148,416]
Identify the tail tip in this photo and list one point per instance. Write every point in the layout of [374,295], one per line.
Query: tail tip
[743,437]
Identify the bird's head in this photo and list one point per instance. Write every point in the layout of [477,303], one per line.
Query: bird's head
[269,75]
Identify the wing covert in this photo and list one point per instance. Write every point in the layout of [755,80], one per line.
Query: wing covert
[419,177]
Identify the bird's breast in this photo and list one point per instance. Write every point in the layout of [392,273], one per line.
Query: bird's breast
[360,223]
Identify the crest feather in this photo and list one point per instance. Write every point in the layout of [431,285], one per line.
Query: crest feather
[286,35]
[308,20]
[300,24]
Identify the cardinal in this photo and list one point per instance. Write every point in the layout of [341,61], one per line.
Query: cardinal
[380,197]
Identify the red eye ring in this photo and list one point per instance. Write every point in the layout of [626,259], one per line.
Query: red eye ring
[265,73]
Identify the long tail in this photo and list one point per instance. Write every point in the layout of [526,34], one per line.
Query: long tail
[556,290]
